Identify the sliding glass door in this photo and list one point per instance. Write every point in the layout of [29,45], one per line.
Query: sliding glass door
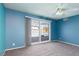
[39,31]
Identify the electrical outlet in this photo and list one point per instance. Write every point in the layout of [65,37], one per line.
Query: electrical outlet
[13,44]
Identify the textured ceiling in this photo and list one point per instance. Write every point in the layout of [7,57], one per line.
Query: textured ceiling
[45,9]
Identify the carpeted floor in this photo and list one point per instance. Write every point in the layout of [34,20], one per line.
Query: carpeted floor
[46,49]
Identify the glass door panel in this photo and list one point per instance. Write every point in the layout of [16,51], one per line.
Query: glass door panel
[35,31]
[39,31]
[44,31]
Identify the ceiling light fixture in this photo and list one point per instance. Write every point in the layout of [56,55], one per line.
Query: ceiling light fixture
[60,10]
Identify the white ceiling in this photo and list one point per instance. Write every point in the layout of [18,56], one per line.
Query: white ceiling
[45,9]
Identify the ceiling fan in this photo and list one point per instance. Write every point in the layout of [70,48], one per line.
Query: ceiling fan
[60,10]
[63,10]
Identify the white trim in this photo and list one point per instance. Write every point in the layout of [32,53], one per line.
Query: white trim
[3,53]
[65,42]
[54,40]
[38,19]
[40,42]
[45,42]
[69,43]
[15,48]
[50,31]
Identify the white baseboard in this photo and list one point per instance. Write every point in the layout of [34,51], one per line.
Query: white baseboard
[69,43]
[2,53]
[55,40]
[22,46]
[40,42]
[15,48]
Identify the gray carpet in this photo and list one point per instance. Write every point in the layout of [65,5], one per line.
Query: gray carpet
[46,49]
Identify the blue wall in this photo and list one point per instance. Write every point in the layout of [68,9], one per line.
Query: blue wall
[54,30]
[15,27]
[2,29]
[69,30]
